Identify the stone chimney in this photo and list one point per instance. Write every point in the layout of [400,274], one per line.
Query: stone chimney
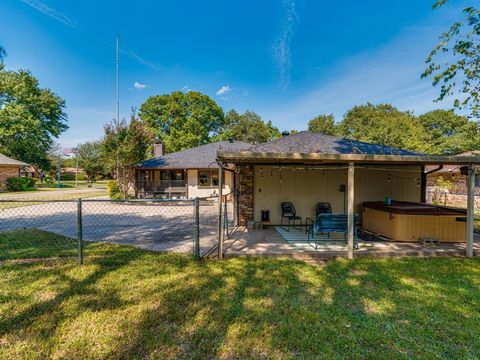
[158,149]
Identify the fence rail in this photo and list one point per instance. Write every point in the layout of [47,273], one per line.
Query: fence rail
[71,228]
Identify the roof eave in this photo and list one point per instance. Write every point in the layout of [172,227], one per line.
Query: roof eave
[275,158]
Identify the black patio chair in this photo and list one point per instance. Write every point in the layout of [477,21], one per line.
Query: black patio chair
[290,213]
[323,208]
[320,208]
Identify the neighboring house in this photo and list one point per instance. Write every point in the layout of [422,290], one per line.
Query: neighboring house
[189,173]
[9,168]
[28,171]
[452,173]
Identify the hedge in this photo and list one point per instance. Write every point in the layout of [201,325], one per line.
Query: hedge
[20,183]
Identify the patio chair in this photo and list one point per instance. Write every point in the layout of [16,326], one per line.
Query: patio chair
[323,208]
[320,208]
[290,213]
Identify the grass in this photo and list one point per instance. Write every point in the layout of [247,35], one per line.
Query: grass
[69,184]
[136,304]
[37,244]
[60,195]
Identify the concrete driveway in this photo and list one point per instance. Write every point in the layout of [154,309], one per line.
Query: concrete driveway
[165,226]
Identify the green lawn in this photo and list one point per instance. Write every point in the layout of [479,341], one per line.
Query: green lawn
[146,305]
[48,195]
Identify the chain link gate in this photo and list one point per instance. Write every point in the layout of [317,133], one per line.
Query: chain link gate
[32,229]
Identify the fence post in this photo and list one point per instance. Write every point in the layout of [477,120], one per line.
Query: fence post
[79,231]
[196,245]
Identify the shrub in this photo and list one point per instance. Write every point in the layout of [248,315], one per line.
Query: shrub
[20,183]
[71,176]
[113,190]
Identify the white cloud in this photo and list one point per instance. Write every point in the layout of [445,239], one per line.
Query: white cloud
[150,64]
[223,90]
[281,47]
[185,88]
[139,86]
[55,14]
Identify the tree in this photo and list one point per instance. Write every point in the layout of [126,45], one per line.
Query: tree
[454,63]
[125,145]
[384,125]
[248,127]
[323,124]
[30,118]
[3,53]
[90,159]
[182,120]
[450,133]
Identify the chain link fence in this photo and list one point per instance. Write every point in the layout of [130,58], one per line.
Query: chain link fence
[31,229]
[209,222]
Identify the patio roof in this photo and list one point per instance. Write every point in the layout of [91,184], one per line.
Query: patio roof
[310,148]
[251,157]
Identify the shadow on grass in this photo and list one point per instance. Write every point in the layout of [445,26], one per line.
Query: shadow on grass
[262,309]
[172,307]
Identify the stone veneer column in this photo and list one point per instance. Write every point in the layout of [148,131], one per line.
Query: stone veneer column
[245,189]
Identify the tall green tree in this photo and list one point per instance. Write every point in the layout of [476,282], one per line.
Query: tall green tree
[182,120]
[125,145]
[454,64]
[450,133]
[3,53]
[384,124]
[323,124]
[90,159]
[248,127]
[31,117]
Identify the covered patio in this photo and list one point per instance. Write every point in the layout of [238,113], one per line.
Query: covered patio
[269,242]
[380,191]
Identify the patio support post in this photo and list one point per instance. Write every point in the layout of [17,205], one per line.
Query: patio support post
[470,210]
[220,220]
[351,209]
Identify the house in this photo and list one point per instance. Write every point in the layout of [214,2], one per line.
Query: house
[454,175]
[9,168]
[189,173]
[355,178]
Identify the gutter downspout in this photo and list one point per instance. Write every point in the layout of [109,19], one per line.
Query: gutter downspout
[423,195]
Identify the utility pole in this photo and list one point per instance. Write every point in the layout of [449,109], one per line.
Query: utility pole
[117,83]
[76,168]
[58,176]
[118,103]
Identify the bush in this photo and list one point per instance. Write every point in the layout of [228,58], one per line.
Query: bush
[20,183]
[113,190]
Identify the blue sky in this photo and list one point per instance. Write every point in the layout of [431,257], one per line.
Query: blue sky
[287,60]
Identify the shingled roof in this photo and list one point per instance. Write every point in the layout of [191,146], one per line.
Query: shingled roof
[306,142]
[5,161]
[200,157]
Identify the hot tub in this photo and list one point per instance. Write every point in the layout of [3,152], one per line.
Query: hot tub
[407,221]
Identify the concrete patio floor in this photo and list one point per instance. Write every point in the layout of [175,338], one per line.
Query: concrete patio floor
[269,242]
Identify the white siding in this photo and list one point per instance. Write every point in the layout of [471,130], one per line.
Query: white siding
[195,191]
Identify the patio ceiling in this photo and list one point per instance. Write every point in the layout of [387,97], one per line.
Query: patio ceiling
[249,157]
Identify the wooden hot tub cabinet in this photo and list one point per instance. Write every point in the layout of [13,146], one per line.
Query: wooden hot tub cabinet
[407,221]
